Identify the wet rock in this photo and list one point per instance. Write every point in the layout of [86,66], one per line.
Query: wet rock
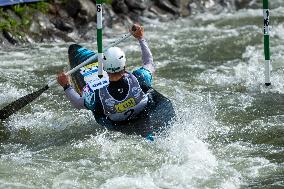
[53,9]
[149,14]
[58,10]
[240,4]
[11,39]
[87,11]
[30,39]
[135,14]
[40,24]
[61,35]
[226,3]
[167,6]
[109,16]
[63,13]
[88,32]
[44,28]
[3,40]
[60,18]
[43,21]
[185,8]
[214,6]
[149,17]
[73,8]
[55,35]
[208,4]
[119,6]
[82,10]
[156,10]
[176,3]
[62,24]
[137,4]
[126,20]
[34,27]
[161,14]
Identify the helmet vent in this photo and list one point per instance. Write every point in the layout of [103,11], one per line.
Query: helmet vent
[114,60]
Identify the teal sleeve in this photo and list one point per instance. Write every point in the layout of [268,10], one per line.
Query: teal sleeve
[89,99]
[144,76]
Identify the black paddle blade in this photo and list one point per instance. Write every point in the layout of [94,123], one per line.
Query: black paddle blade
[20,103]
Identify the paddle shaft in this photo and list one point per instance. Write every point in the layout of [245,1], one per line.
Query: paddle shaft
[93,58]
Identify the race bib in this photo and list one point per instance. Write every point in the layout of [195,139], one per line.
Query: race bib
[90,74]
[97,84]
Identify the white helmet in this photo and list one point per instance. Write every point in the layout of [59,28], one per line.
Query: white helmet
[114,60]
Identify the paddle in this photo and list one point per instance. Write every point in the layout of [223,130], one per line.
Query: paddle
[25,100]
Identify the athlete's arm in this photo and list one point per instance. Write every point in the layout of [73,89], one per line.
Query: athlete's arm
[143,74]
[76,100]
[147,58]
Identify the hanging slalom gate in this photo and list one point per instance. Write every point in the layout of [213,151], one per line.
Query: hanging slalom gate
[100,36]
[13,2]
[266,42]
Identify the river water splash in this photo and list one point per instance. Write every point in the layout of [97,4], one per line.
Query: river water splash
[228,131]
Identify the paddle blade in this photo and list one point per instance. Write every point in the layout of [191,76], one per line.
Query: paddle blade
[20,103]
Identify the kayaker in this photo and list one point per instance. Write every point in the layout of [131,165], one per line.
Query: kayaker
[127,93]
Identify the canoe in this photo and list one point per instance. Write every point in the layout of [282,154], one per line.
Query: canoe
[154,119]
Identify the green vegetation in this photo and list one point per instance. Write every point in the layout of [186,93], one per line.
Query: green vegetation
[107,1]
[66,1]
[18,17]
[6,22]
[24,15]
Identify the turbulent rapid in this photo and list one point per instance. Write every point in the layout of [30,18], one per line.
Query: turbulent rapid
[228,131]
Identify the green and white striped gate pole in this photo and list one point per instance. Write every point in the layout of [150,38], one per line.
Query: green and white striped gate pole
[100,36]
[266,42]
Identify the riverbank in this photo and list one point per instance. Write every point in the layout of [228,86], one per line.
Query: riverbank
[228,130]
[70,21]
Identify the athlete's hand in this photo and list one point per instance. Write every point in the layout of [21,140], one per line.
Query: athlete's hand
[63,79]
[137,31]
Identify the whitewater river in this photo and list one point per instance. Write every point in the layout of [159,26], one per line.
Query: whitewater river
[229,129]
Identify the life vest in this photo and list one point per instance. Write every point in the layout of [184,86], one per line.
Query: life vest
[134,102]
